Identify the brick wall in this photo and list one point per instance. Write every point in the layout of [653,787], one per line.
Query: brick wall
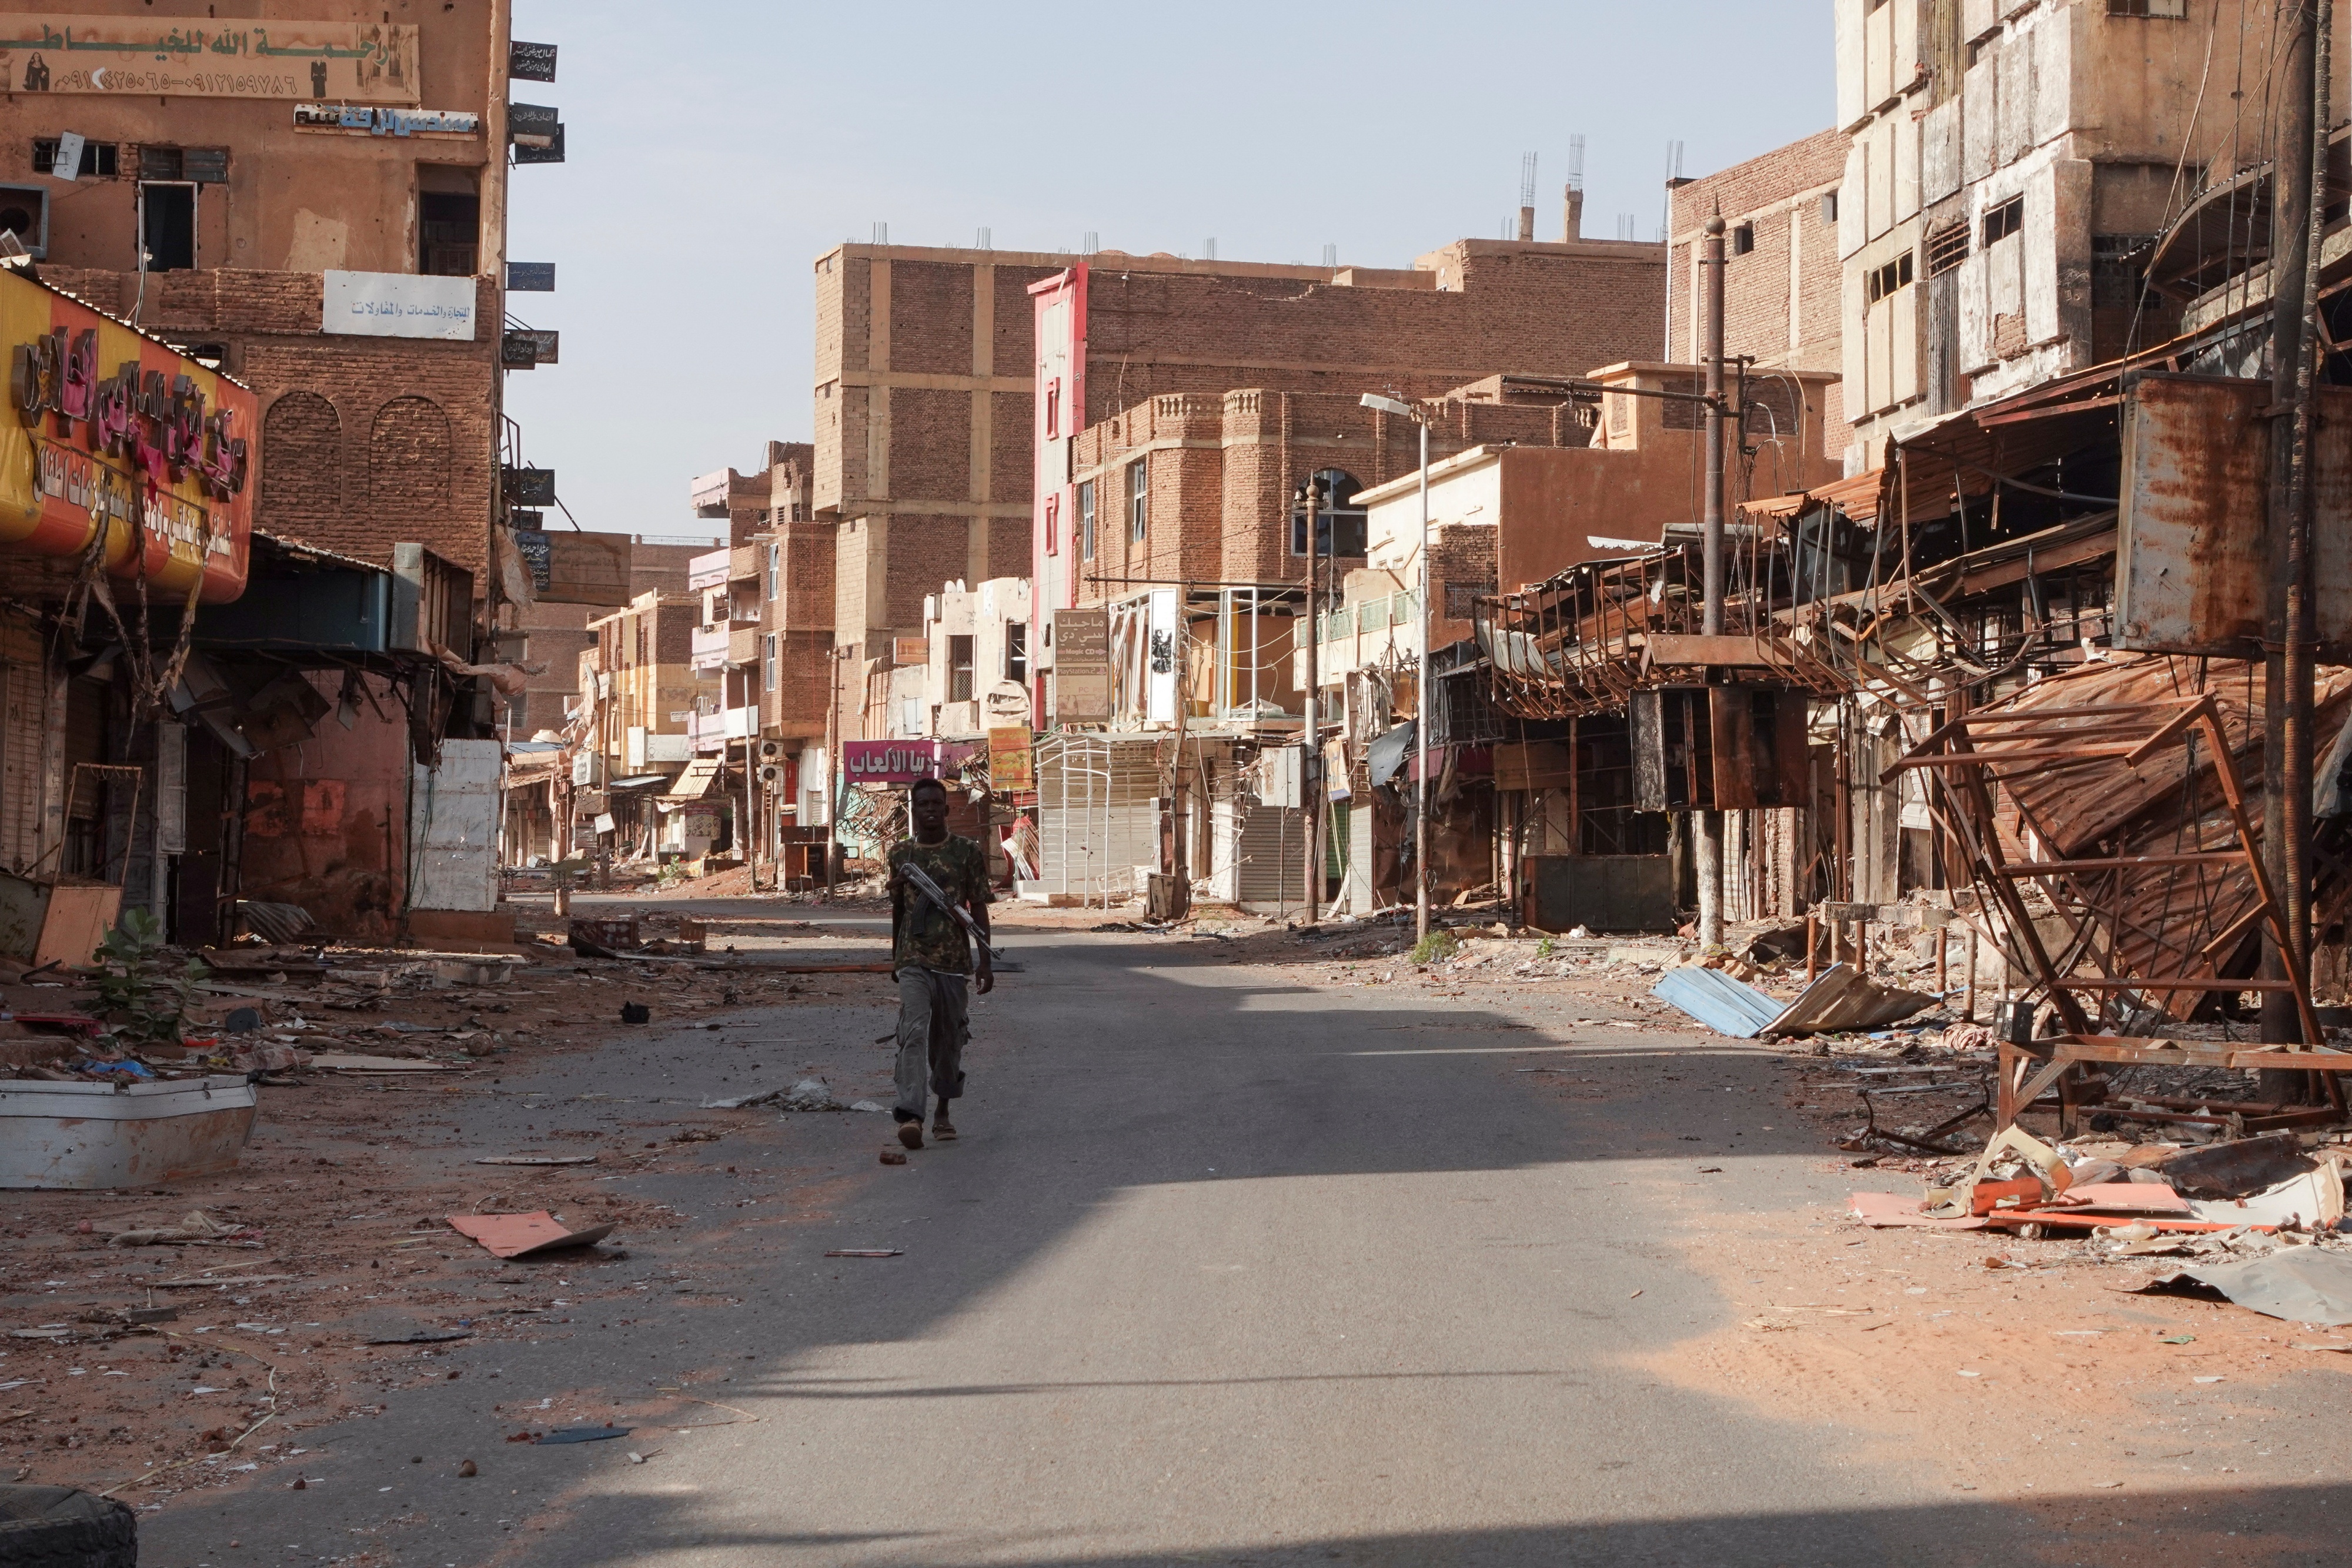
[1223,470]
[364,442]
[1781,297]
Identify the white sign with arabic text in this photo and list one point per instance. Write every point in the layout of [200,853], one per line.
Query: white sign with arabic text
[398,305]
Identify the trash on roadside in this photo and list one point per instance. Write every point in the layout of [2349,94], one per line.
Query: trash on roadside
[79,1135]
[524,1235]
[2302,1285]
[196,1229]
[2239,1168]
[637,1012]
[423,1336]
[868,1252]
[894,1157]
[1841,998]
[581,1435]
[536,1160]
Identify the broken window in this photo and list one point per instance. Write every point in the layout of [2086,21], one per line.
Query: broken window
[770,675]
[1086,520]
[25,212]
[2003,221]
[167,223]
[1016,652]
[448,227]
[1946,248]
[959,669]
[97,158]
[2176,9]
[1743,239]
[775,571]
[1138,499]
[1889,278]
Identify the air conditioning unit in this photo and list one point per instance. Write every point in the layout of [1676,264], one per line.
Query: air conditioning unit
[771,774]
[771,751]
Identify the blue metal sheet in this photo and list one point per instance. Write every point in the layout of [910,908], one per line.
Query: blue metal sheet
[1719,1001]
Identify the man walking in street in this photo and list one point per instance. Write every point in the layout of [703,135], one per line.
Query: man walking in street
[931,958]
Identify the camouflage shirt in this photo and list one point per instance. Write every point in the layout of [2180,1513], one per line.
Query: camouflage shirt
[922,933]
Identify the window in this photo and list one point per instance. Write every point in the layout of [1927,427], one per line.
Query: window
[99,158]
[1016,652]
[1339,521]
[1829,206]
[775,571]
[2004,221]
[1743,239]
[1138,499]
[1887,279]
[1086,520]
[1052,524]
[2172,8]
[25,212]
[167,224]
[1053,409]
[959,669]
[1946,248]
[449,228]
[771,674]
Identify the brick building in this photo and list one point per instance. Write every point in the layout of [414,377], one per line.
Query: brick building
[1782,275]
[556,631]
[943,422]
[249,212]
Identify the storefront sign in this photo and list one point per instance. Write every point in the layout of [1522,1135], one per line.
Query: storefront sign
[113,429]
[890,761]
[200,57]
[359,120]
[398,305]
[1012,760]
[1082,666]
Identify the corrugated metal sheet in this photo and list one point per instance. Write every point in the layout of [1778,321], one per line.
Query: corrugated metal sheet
[1719,1001]
[452,828]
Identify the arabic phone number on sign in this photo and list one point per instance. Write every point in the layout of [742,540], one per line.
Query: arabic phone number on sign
[114,79]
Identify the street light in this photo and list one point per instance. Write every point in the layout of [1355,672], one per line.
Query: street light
[1375,402]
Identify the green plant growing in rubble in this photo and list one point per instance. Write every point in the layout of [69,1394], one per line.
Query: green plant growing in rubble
[1547,948]
[1436,948]
[140,987]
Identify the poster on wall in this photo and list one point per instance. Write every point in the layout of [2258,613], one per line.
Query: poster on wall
[196,56]
[1011,761]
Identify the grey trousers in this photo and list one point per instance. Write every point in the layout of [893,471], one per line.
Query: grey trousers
[933,1025]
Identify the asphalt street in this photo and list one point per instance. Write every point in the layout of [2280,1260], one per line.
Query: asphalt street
[1223,1269]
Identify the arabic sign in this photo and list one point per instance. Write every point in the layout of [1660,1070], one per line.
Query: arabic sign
[112,429]
[1082,666]
[398,305]
[358,119]
[530,277]
[1011,761]
[201,58]
[530,62]
[890,761]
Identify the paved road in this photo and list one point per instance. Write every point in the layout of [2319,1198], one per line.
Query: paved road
[1223,1270]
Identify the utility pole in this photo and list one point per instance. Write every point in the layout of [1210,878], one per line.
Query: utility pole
[2287,686]
[1421,719]
[1310,787]
[832,767]
[1710,823]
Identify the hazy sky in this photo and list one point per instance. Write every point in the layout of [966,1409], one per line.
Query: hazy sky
[716,148]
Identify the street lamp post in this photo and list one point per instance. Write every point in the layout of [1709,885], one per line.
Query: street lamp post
[1421,687]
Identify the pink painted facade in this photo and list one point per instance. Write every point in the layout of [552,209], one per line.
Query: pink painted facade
[1060,305]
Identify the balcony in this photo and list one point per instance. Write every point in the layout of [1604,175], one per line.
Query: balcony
[707,571]
[710,647]
[711,732]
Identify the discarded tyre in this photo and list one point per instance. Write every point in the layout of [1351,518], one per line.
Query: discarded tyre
[64,1527]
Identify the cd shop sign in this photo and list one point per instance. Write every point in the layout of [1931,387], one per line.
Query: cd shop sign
[115,432]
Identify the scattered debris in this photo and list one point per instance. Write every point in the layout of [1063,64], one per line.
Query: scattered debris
[581,1435]
[637,1012]
[524,1235]
[868,1253]
[84,1136]
[423,1336]
[196,1230]
[1841,998]
[536,1160]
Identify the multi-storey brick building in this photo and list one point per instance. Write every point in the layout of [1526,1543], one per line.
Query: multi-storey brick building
[944,419]
[1782,277]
